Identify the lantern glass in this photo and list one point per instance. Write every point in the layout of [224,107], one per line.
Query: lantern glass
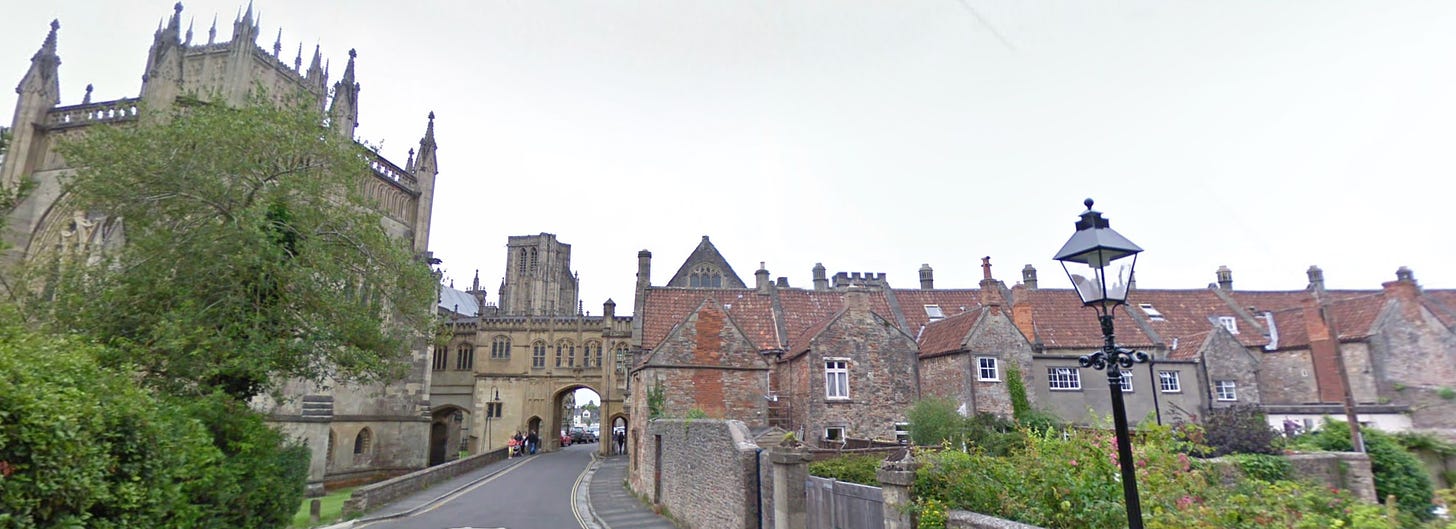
[1101,281]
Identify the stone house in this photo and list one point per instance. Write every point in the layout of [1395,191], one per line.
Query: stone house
[354,432]
[971,356]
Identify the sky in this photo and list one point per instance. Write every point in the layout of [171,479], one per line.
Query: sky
[1267,136]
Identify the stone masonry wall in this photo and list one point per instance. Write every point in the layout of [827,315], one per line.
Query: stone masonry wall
[706,468]
[947,376]
[882,377]
[996,336]
[1287,377]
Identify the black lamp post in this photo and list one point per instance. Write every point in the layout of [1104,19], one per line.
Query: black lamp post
[1096,246]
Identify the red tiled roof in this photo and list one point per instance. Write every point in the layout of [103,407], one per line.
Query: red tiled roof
[666,307]
[1188,316]
[1061,322]
[1442,303]
[951,302]
[948,334]
[1293,334]
[800,342]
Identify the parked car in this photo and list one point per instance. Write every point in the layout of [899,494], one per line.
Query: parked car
[565,439]
[596,433]
[582,435]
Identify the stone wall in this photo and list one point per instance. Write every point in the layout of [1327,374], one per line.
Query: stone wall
[996,336]
[1343,470]
[706,472]
[971,520]
[882,377]
[372,496]
[1287,377]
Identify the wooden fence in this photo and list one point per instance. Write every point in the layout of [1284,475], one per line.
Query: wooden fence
[834,504]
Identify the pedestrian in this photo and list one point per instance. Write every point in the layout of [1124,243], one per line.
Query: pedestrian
[533,441]
[620,436]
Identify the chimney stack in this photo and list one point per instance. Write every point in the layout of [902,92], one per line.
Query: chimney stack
[821,283]
[927,277]
[1225,279]
[761,279]
[1316,278]
[1028,276]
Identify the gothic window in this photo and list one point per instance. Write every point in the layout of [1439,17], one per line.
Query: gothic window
[565,350]
[620,351]
[538,355]
[500,348]
[329,452]
[521,262]
[363,442]
[465,357]
[442,358]
[533,259]
[705,276]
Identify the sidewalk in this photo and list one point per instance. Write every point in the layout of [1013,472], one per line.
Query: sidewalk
[613,506]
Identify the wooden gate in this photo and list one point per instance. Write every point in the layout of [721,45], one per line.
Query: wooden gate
[834,504]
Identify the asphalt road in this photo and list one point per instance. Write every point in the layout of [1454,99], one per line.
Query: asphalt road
[535,494]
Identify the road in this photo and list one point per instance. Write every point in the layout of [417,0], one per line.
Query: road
[535,494]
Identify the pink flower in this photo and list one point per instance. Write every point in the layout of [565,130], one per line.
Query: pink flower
[1074,462]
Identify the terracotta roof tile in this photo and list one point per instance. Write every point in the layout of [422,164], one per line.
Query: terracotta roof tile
[666,307]
[949,334]
[951,302]
[1442,303]
[800,342]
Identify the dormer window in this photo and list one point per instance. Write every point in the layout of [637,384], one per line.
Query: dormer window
[1230,323]
[1153,314]
[934,312]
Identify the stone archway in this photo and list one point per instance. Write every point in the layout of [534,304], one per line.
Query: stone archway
[445,433]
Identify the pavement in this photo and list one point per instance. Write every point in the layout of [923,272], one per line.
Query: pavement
[612,505]
[600,497]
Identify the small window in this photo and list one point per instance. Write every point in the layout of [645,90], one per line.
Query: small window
[934,312]
[834,433]
[1168,382]
[1064,379]
[836,378]
[538,355]
[1230,323]
[986,370]
[1126,381]
[442,358]
[465,358]
[1225,390]
[902,432]
[363,442]
[1152,313]
[493,409]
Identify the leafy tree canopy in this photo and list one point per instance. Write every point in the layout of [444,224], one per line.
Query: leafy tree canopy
[251,256]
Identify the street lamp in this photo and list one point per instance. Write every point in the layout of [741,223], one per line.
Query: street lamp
[1096,246]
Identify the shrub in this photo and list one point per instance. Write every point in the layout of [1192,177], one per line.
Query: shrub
[84,447]
[854,469]
[1071,480]
[1397,472]
[935,421]
[1239,429]
[1263,467]
[260,481]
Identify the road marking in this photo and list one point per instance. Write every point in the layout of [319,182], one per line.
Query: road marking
[575,511]
[458,494]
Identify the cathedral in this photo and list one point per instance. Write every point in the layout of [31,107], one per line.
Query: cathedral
[354,433]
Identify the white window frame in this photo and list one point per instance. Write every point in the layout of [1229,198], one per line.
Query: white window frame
[1064,379]
[1226,390]
[836,370]
[1169,382]
[934,313]
[1153,314]
[829,432]
[1126,380]
[982,367]
[1229,322]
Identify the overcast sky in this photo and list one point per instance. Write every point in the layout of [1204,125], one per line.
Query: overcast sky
[876,136]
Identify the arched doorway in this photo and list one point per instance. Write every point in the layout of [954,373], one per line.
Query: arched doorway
[534,426]
[618,437]
[445,432]
[577,414]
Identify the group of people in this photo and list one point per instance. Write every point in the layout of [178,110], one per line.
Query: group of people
[524,444]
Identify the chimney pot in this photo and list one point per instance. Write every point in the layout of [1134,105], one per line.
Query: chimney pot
[1028,276]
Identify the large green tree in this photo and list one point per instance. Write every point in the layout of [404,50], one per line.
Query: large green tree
[250,254]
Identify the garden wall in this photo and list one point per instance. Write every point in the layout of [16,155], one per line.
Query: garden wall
[702,472]
[372,496]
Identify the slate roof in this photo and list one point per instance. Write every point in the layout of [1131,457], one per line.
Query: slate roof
[458,301]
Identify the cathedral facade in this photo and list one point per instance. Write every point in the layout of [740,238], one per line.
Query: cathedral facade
[354,432]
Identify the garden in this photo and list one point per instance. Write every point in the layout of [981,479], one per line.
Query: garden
[1059,477]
